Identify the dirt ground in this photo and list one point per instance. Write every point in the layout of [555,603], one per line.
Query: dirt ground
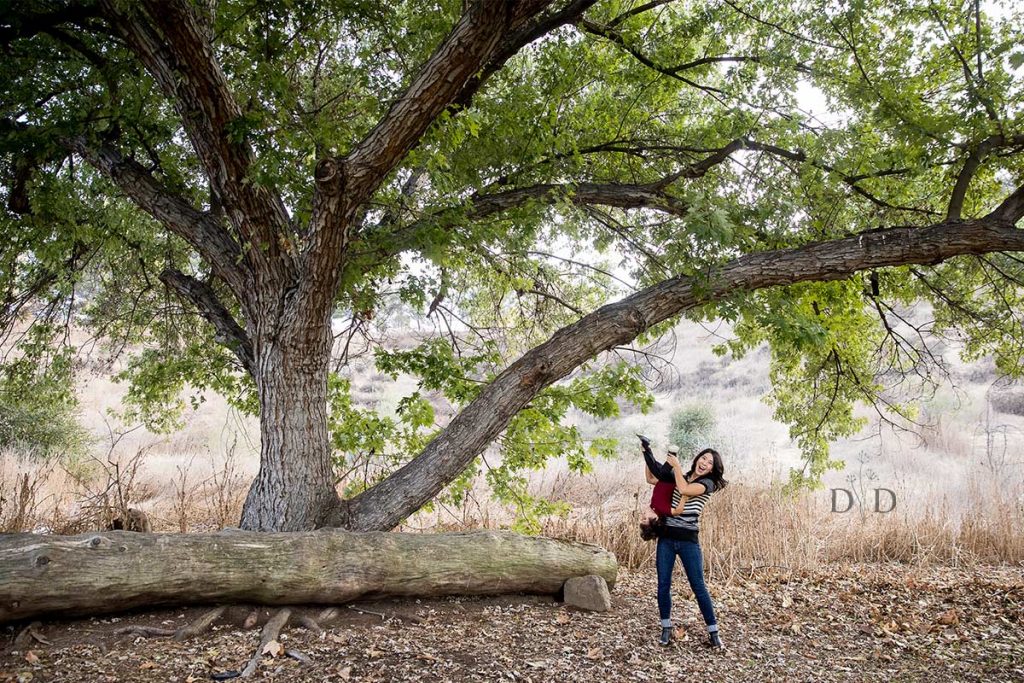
[858,623]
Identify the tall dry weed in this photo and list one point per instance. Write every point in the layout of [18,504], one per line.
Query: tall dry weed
[224,491]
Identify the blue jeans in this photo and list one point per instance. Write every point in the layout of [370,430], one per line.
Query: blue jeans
[693,565]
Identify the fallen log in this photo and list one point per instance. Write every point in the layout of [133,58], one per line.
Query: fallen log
[114,571]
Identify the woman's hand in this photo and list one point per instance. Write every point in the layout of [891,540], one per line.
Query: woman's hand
[673,461]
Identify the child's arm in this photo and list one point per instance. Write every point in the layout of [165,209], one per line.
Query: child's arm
[681,483]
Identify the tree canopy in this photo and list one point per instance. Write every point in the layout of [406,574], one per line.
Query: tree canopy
[238,192]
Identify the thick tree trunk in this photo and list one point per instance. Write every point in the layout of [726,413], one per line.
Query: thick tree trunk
[115,571]
[294,490]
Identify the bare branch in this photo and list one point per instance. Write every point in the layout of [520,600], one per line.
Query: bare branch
[618,39]
[640,9]
[777,27]
[12,302]
[852,181]
[582,194]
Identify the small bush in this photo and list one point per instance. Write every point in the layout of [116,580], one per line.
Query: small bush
[692,428]
[1009,401]
[38,406]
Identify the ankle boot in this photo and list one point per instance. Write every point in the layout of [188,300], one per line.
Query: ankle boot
[714,640]
[666,635]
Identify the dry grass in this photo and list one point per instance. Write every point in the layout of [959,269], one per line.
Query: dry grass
[745,527]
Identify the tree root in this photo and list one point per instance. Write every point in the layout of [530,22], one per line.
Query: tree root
[190,630]
[270,633]
[310,624]
[28,634]
[316,625]
[200,625]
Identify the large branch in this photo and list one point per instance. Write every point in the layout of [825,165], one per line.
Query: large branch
[513,42]
[621,195]
[170,38]
[116,571]
[196,227]
[343,185]
[974,159]
[470,45]
[229,332]
[386,504]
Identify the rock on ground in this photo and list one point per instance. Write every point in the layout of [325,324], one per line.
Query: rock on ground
[588,592]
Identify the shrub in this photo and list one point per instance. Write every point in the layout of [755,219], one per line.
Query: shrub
[692,428]
[1009,401]
[38,406]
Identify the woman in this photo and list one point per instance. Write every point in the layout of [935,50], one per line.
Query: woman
[678,536]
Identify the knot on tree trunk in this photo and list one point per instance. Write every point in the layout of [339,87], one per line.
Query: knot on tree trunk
[535,375]
[330,171]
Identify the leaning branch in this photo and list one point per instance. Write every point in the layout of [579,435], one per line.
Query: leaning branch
[384,506]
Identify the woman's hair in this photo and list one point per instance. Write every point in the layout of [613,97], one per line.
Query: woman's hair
[717,468]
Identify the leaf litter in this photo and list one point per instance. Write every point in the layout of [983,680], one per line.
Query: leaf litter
[852,623]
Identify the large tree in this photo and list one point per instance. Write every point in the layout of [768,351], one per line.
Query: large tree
[278,168]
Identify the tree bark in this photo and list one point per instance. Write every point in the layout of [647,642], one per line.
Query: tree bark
[294,490]
[115,571]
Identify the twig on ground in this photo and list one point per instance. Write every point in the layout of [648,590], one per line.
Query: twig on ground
[146,631]
[366,611]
